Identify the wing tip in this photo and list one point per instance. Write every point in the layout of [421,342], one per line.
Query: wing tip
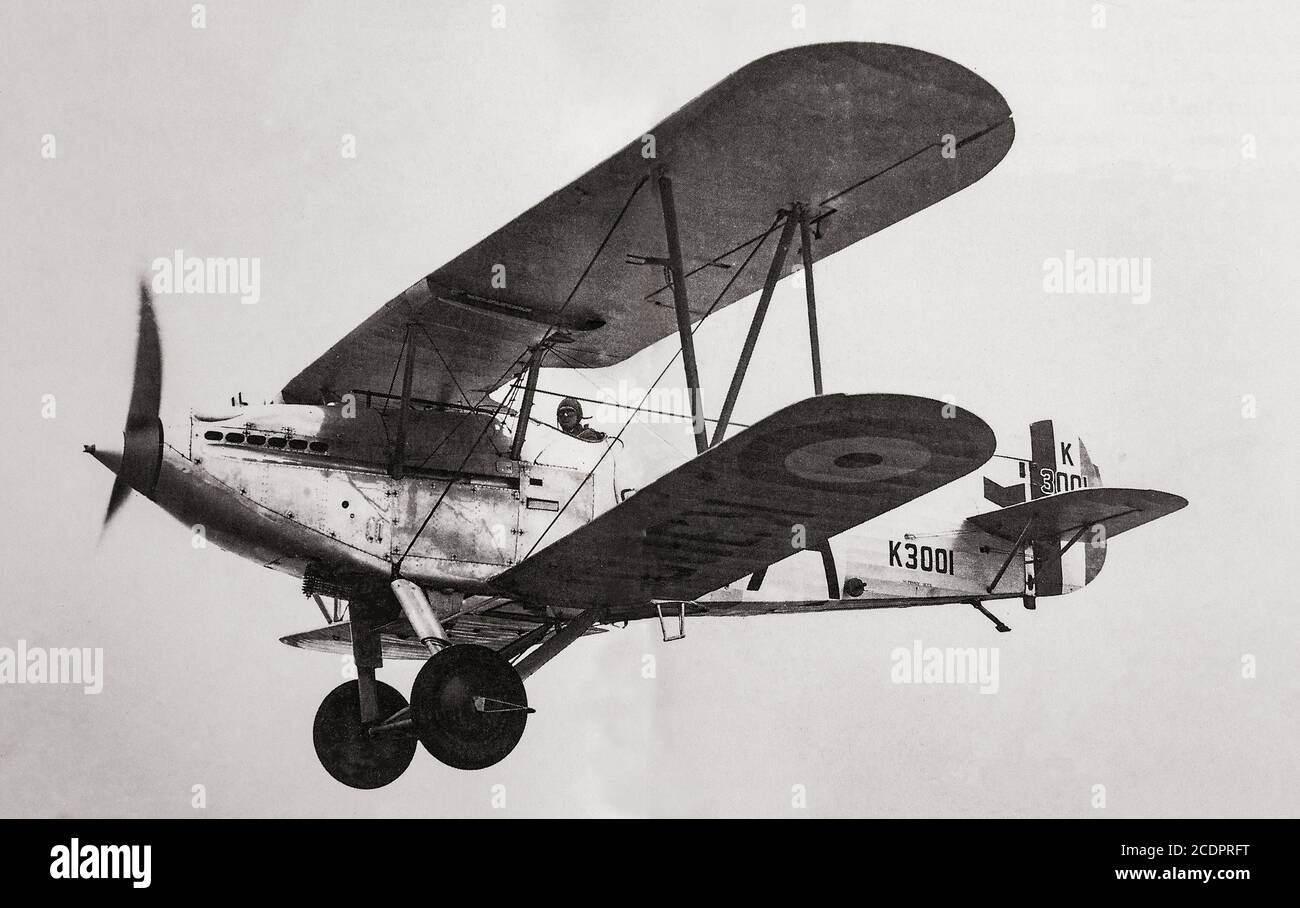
[900,60]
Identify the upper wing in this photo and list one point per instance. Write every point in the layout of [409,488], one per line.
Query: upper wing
[864,134]
[798,477]
[1118,510]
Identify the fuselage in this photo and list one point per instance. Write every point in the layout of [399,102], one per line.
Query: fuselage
[311,491]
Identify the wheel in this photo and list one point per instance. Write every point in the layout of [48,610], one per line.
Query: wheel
[451,725]
[347,752]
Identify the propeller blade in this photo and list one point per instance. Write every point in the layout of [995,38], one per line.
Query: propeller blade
[121,489]
[146,387]
[142,437]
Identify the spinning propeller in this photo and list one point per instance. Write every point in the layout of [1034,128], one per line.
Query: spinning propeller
[138,462]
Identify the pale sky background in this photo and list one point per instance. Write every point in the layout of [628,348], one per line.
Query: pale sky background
[225,142]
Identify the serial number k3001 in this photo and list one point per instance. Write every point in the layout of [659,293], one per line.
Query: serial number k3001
[920,557]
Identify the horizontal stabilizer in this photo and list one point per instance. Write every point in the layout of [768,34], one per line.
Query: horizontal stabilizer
[1118,510]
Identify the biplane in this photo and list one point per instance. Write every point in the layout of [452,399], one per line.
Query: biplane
[441,519]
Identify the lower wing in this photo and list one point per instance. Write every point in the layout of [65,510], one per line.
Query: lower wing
[792,481]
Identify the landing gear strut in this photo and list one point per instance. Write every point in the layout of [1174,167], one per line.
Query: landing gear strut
[468,704]
[362,731]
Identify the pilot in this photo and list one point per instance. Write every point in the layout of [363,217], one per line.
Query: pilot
[569,415]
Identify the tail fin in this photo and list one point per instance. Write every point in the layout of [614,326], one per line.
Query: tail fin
[1058,462]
